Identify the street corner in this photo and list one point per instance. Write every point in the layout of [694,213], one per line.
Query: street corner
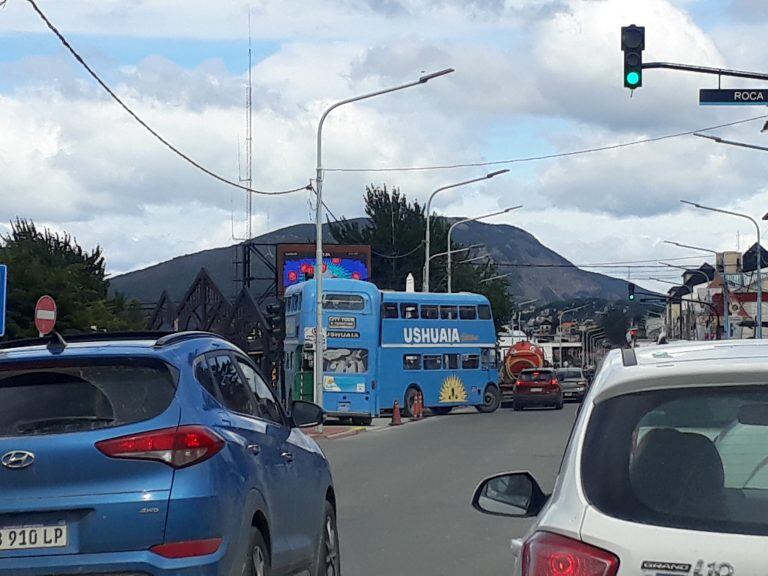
[332,431]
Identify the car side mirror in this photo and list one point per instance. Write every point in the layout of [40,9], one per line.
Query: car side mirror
[306,414]
[514,494]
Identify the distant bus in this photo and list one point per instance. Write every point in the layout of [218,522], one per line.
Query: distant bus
[384,347]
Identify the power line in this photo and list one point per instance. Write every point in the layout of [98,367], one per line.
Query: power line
[146,126]
[398,256]
[548,156]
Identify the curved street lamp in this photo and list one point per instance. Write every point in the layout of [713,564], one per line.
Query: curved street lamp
[450,231]
[425,282]
[319,340]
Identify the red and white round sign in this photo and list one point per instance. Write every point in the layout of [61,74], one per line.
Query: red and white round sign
[45,315]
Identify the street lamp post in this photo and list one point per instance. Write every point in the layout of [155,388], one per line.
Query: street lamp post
[425,282]
[450,231]
[520,306]
[759,330]
[726,296]
[731,142]
[694,271]
[560,327]
[319,340]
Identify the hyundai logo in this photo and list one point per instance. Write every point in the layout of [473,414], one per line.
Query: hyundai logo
[17,459]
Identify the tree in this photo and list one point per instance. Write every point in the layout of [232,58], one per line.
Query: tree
[395,231]
[616,323]
[45,262]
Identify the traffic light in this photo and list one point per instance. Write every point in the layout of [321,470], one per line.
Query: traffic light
[631,292]
[275,318]
[633,44]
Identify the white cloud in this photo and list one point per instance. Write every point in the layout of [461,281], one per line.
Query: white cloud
[73,159]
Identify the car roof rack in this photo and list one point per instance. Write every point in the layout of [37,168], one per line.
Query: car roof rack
[176,337]
[628,357]
[56,339]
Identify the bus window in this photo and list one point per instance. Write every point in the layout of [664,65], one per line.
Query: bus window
[448,313]
[343,302]
[433,362]
[470,361]
[467,312]
[412,362]
[484,312]
[487,359]
[409,311]
[390,310]
[346,360]
[451,361]
[429,312]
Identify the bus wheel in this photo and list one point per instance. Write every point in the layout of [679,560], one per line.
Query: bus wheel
[362,421]
[440,410]
[410,400]
[491,400]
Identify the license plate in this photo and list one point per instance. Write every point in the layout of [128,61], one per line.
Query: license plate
[33,537]
[344,406]
[537,389]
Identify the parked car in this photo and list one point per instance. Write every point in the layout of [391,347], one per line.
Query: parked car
[666,471]
[165,456]
[573,382]
[537,387]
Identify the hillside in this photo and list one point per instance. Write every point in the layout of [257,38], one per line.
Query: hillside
[550,281]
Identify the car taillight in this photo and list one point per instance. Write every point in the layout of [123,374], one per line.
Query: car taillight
[547,554]
[187,549]
[177,447]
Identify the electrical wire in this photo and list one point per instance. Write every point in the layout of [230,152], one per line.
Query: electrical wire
[549,156]
[398,256]
[146,126]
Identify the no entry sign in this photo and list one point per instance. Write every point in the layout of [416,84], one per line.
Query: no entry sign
[45,315]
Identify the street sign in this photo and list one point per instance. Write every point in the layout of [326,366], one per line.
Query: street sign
[3,292]
[733,97]
[45,315]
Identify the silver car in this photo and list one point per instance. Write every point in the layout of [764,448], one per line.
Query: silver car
[666,472]
[573,382]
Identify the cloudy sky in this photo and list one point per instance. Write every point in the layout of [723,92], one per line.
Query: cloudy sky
[533,77]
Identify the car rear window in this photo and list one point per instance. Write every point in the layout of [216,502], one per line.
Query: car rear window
[570,374]
[59,397]
[694,458]
[534,376]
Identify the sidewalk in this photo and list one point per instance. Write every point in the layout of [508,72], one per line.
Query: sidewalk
[333,429]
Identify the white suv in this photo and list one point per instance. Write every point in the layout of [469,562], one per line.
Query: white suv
[665,474]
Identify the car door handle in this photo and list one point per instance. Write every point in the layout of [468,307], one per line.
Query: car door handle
[254,449]
[287,456]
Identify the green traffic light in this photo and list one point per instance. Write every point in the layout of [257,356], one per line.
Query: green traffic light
[633,78]
[631,296]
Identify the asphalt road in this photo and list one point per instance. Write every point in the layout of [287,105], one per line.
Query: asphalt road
[404,493]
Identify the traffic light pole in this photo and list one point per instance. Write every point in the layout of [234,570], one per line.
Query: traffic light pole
[705,70]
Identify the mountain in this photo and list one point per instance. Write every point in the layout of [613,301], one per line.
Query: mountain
[536,271]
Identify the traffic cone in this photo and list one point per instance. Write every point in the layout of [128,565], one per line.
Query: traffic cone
[415,408]
[396,419]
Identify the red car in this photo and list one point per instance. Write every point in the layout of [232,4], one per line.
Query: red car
[537,387]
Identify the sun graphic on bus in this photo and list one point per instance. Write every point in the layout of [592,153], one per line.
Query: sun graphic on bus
[453,390]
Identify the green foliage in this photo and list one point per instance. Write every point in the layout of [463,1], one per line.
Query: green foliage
[44,262]
[616,323]
[396,232]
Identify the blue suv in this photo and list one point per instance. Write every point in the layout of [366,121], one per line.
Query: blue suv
[137,455]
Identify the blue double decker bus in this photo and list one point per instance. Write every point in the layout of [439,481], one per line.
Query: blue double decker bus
[384,347]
